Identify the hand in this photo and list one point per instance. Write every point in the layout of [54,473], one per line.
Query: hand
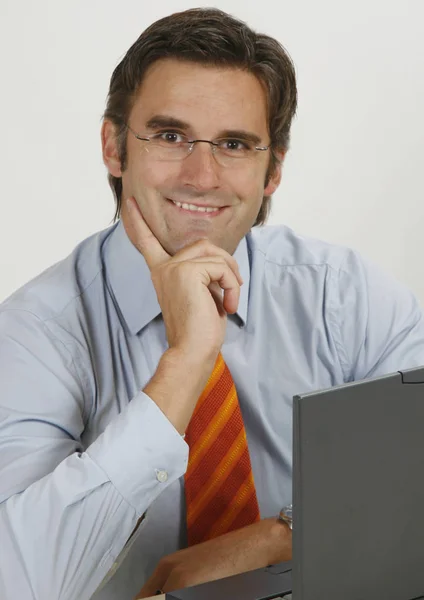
[189,288]
[264,543]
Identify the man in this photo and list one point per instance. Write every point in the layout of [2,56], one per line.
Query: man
[111,357]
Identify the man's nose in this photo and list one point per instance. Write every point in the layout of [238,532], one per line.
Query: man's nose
[200,169]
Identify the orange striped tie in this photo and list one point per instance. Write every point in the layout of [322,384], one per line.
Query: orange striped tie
[219,487]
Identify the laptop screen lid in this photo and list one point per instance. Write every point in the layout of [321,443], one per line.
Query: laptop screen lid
[358,490]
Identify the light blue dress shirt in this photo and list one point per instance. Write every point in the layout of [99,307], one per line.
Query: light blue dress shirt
[84,452]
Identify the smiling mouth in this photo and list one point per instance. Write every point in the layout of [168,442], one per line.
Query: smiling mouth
[210,210]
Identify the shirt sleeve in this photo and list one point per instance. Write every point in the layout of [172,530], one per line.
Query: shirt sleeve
[377,322]
[66,512]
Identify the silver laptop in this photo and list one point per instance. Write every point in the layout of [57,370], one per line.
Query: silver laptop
[358,499]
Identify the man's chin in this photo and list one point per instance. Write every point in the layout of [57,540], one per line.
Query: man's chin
[178,245]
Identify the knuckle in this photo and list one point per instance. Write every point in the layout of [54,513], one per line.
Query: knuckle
[205,243]
[204,246]
[179,272]
[230,270]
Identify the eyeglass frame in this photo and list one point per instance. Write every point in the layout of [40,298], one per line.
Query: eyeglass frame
[214,145]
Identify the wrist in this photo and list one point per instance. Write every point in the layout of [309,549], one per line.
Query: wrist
[200,363]
[177,385]
[281,545]
[286,515]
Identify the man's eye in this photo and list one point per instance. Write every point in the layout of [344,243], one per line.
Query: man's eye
[171,137]
[235,145]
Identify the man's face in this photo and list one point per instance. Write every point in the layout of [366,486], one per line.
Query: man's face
[209,102]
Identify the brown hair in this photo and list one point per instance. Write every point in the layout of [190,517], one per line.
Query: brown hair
[212,37]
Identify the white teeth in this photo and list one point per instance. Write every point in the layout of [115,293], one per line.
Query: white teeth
[194,208]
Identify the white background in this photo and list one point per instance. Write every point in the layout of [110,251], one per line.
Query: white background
[354,174]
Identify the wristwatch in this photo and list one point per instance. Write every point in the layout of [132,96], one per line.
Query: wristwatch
[286,515]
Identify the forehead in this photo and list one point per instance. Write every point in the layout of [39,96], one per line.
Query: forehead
[209,98]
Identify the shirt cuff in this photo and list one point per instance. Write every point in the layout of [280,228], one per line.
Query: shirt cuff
[141,452]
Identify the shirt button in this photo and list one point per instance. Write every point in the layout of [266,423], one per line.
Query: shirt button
[161,476]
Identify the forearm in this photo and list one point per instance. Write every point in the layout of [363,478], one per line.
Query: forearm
[177,384]
[253,547]
[280,542]
[62,534]
[56,545]
[264,543]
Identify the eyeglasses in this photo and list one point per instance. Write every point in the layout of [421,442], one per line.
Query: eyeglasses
[172,145]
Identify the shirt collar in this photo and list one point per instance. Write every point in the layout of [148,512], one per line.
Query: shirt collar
[128,276]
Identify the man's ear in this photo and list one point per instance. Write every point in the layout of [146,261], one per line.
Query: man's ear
[275,178]
[110,149]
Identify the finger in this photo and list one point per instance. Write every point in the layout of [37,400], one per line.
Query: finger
[225,277]
[145,241]
[204,248]
[216,293]
[229,300]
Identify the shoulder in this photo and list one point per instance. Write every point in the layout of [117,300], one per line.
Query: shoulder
[281,246]
[344,268]
[48,294]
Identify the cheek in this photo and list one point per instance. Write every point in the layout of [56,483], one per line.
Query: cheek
[245,184]
[252,189]
[149,176]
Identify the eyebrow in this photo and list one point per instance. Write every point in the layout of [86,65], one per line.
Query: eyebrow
[160,121]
